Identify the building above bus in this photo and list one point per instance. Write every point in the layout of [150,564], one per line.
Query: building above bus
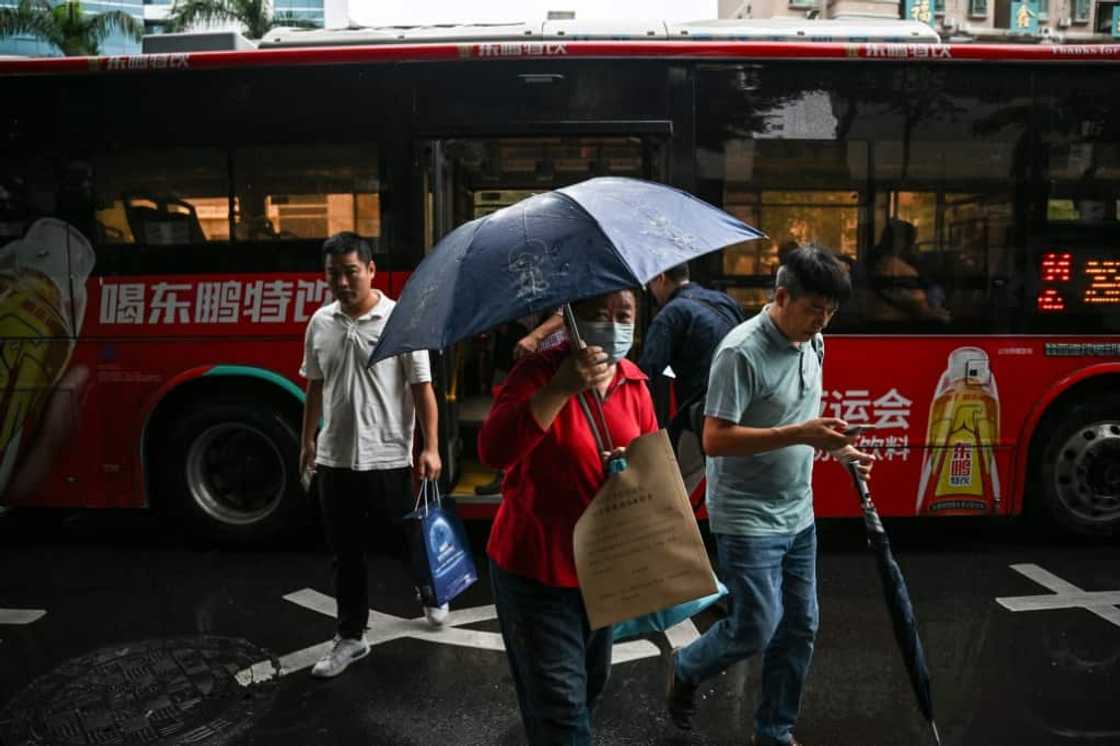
[768,29]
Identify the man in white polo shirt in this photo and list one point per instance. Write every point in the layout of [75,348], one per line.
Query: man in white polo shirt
[363,454]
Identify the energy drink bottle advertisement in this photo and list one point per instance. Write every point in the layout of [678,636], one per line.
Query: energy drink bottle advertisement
[42,304]
[959,474]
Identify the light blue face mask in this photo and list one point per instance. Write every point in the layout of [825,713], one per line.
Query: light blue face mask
[615,339]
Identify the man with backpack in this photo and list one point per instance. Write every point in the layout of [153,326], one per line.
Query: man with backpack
[685,333]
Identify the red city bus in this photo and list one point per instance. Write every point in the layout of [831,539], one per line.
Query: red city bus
[161,218]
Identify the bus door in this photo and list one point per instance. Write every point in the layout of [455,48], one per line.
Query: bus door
[469,177]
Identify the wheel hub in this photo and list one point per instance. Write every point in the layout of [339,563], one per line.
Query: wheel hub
[235,473]
[1087,476]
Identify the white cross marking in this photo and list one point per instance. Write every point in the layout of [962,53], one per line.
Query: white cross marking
[386,628]
[20,616]
[1066,596]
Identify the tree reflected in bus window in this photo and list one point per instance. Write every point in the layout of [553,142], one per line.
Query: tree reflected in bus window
[1081,138]
[832,154]
[299,192]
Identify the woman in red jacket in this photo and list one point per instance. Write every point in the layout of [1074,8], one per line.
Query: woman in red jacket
[538,433]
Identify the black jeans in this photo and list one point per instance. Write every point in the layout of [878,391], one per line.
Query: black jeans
[559,665]
[360,508]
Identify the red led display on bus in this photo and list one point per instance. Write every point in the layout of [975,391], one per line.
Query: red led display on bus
[1104,281]
[1056,266]
[1051,300]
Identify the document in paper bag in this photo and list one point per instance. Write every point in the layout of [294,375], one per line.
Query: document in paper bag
[637,546]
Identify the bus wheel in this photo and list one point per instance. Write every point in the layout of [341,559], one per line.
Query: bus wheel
[1081,468]
[229,470]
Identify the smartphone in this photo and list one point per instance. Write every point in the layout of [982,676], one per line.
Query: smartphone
[854,430]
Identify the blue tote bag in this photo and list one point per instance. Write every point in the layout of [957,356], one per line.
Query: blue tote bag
[441,556]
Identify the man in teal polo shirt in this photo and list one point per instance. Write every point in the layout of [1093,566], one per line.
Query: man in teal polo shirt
[761,428]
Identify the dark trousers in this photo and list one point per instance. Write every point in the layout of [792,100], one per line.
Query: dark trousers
[362,508]
[773,583]
[559,665]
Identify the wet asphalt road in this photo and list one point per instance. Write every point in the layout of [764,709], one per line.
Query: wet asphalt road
[999,676]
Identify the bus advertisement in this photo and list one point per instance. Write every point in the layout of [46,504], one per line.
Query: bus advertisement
[161,218]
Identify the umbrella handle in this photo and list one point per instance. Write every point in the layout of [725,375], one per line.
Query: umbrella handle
[573,327]
[861,486]
[870,516]
[580,344]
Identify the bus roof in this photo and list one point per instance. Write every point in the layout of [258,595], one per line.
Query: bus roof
[563,48]
[768,29]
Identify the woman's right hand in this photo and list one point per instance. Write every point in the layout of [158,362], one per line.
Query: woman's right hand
[582,370]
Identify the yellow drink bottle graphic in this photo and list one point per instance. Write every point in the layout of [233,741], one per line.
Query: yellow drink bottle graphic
[42,302]
[959,473]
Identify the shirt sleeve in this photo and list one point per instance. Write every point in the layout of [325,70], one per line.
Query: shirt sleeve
[510,432]
[309,368]
[417,366]
[657,347]
[731,384]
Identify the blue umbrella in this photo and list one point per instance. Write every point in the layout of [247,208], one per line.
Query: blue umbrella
[558,247]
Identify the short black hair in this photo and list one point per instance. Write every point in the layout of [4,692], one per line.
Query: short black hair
[347,242]
[790,244]
[897,235]
[816,271]
[678,273]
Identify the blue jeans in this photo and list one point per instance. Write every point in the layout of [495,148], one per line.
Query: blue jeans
[559,665]
[773,584]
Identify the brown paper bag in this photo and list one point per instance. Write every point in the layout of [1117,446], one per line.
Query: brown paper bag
[637,546]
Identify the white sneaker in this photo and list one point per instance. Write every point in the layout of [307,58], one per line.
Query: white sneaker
[437,615]
[344,652]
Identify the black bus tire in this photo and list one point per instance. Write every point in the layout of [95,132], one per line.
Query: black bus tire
[228,472]
[1079,469]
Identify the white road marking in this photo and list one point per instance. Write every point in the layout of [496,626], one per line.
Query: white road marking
[20,616]
[385,628]
[1065,596]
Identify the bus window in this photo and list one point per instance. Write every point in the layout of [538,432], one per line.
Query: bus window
[832,155]
[952,256]
[169,196]
[769,154]
[299,192]
[1074,267]
[1082,163]
[28,190]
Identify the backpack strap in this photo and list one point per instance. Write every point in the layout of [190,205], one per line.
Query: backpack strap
[723,311]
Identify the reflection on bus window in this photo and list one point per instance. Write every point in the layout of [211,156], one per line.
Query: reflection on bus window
[486,174]
[804,218]
[824,155]
[959,246]
[1074,270]
[1084,183]
[1081,140]
[168,196]
[307,192]
[897,289]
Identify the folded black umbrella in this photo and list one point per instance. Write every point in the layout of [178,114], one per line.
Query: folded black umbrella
[898,603]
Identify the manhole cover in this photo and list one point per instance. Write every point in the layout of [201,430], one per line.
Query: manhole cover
[175,691]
